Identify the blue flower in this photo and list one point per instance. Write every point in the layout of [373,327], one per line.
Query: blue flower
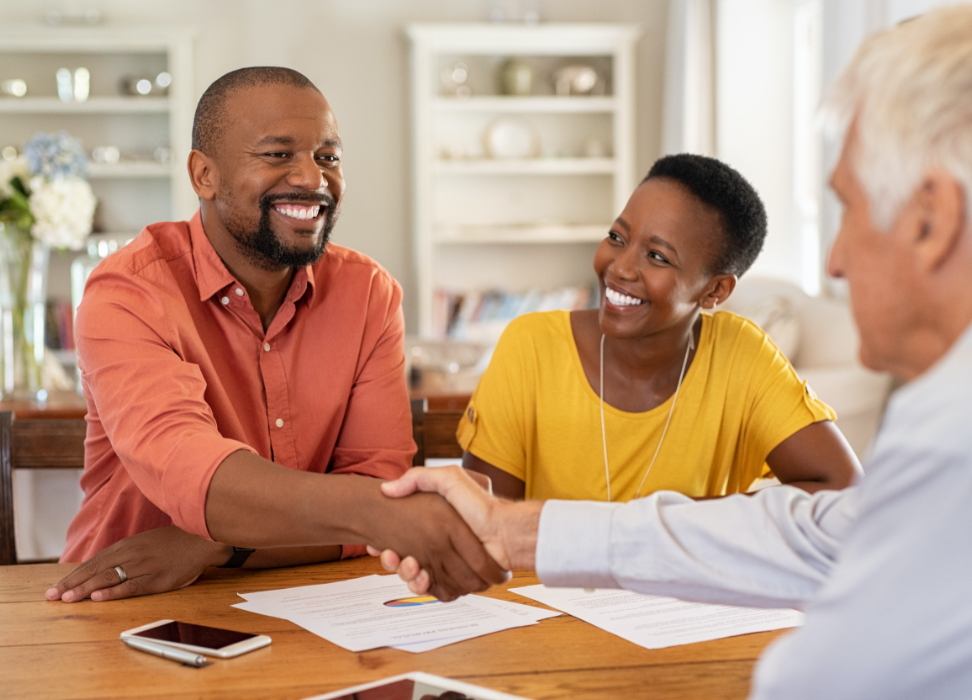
[56,156]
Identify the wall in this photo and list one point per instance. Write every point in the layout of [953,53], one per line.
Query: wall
[754,112]
[355,51]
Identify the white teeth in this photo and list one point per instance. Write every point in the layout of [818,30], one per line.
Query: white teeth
[619,299]
[299,212]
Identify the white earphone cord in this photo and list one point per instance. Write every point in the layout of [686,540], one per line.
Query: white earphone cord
[681,375]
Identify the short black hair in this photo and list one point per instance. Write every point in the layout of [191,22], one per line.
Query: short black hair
[210,117]
[730,194]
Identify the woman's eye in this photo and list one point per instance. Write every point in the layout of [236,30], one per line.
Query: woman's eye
[614,237]
[655,255]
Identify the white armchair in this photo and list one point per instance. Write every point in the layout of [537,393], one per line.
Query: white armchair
[818,336]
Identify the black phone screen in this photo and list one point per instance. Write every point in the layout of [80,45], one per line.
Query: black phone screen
[196,635]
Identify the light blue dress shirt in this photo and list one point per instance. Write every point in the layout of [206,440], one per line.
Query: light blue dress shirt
[883,569]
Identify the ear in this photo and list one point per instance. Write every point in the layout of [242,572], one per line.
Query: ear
[203,174]
[938,219]
[717,291]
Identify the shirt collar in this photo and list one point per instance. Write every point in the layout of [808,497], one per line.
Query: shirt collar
[212,275]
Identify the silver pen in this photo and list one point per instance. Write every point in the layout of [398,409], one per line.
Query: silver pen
[171,653]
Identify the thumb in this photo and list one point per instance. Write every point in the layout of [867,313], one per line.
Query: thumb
[432,480]
[402,486]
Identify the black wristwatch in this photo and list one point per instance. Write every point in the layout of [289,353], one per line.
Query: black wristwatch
[240,555]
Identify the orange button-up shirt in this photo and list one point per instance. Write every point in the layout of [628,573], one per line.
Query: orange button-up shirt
[178,374]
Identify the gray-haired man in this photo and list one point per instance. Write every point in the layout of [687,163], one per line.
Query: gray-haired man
[882,569]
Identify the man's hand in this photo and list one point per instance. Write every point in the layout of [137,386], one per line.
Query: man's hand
[428,529]
[154,562]
[507,530]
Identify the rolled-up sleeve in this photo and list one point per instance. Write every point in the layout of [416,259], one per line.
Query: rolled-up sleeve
[150,400]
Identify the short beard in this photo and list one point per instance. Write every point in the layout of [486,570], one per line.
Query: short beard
[265,250]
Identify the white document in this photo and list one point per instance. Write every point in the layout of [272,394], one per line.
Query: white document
[378,611]
[655,622]
[525,611]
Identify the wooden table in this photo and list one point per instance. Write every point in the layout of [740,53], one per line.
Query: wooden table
[60,650]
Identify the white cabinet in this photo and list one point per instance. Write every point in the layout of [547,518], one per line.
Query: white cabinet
[513,193]
[152,133]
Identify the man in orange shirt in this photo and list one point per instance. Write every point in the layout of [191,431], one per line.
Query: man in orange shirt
[245,378]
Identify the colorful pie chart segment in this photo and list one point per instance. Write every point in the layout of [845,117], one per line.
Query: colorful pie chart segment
[412,601]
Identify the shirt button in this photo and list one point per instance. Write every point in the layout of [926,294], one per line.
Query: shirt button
[225,300]
[239,292]
[280,422]
[266,347]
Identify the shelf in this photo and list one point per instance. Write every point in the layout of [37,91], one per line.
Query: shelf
[136,169]
[95,105]
[527,166]
[571,105]
[533,233]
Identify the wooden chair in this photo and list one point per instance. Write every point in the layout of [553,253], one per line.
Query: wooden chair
[33,444]
[435,430]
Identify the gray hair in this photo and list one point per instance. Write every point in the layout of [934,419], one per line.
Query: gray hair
[908,91]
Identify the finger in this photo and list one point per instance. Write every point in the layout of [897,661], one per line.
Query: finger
[390,560]
[127,589]
[372,551]
[103,579]
[78,575]
[420,584]
[403,485]
[409,569]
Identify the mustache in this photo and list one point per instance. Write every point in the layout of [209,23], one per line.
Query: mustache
[308,198]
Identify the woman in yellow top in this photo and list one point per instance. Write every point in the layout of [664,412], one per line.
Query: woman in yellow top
[696,402]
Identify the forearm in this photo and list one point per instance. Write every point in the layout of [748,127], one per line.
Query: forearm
[773,548]
[291,556]
[254,503]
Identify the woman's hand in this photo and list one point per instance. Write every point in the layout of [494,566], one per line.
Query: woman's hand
[154,562]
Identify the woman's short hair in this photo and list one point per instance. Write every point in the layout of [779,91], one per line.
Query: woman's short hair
[722,188]
[908,92]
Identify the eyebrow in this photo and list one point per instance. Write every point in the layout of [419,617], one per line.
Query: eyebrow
[662,242]
[658,240]
[289,141]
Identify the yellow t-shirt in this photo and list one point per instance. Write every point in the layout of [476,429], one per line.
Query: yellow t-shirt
[535,416]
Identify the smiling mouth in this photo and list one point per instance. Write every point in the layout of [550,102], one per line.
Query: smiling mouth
[619,299]
[299,212]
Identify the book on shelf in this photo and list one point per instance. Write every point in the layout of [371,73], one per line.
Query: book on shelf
[481,316]
[59,325]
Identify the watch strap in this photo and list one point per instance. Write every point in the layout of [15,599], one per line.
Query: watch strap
[240,555]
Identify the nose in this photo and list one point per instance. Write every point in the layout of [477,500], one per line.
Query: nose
[306,173]
[625,265]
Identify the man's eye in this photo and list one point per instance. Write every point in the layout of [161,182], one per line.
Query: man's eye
[329,158]
[277,154]
[655,255]
[614,237]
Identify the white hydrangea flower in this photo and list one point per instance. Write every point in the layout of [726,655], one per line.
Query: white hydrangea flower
[10,169]
[63,208]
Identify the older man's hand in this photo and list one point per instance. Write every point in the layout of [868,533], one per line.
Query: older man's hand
[507,530]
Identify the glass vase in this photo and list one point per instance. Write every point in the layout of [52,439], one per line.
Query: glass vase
[23,296]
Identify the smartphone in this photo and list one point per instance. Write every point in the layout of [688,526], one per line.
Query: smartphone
[223,644]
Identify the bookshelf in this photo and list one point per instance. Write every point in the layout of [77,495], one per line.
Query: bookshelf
[515,228]
[138,189]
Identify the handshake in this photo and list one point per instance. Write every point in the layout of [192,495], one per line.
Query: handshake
[506,529]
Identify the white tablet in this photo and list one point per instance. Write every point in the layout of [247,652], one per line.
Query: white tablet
[417,686]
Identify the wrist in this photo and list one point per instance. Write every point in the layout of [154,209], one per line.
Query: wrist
[520,524]
[219,554]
